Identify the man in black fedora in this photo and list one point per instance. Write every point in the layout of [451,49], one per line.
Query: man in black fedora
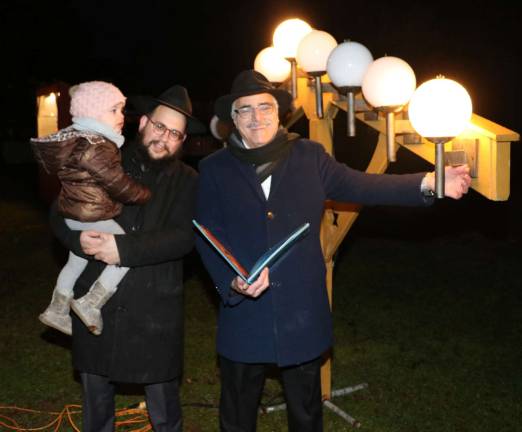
[252,194]
[142,341]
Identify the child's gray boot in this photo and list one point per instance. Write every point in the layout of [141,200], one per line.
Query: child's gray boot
[88,307]
[57,314]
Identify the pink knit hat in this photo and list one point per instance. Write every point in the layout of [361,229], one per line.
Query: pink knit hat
[90,99]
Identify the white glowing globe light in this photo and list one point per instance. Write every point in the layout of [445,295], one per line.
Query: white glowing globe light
[288,34]
[388,82]
[440,108]
[314,49]
[272,64]
[348,63]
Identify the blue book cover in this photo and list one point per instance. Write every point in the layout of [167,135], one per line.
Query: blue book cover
[265,260]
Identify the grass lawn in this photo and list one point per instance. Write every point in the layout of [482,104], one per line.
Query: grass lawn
[430,320]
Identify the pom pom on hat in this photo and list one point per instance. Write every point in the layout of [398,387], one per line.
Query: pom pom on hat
[93,98]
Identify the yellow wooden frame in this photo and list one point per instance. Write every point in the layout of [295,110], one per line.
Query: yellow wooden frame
[492,178]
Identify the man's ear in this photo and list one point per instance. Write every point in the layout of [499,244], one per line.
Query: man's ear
[234,121]
[143,122]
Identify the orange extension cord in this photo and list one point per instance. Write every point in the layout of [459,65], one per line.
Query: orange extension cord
[136,416]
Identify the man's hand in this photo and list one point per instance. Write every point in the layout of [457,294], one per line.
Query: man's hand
[456,181]
[101,245]
[256,288]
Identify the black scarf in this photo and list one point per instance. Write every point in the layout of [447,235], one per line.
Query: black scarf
[265,158]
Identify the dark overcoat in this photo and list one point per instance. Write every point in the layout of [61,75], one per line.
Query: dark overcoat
[290,323]
[142,338]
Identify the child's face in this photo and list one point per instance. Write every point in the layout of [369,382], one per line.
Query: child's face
[114,117]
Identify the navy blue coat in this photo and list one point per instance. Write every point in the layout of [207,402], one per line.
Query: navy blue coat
[290,323]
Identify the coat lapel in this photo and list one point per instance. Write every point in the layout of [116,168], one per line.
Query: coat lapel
[249,174]
[278,175]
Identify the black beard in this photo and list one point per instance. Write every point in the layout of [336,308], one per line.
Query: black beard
[156,164]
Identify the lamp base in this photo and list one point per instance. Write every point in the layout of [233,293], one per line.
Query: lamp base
[327,404]
[439,163]
[391,146]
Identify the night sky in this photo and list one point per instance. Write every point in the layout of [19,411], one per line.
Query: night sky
[146,48]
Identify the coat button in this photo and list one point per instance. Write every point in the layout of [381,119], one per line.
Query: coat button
[270,215]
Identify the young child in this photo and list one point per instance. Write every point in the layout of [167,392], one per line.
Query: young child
[86,158]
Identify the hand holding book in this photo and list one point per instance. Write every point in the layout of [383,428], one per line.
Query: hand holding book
[256,288]
[265,260]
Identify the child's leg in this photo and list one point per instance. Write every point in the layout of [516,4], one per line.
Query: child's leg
[88,307]
[57,313]
[111,276]
[70,272]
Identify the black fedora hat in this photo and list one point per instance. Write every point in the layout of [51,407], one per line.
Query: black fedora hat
[178,99]
[248,83]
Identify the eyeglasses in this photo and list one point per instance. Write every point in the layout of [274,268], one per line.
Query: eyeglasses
[246,111]
[173,134]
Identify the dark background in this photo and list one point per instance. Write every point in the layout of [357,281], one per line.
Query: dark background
[148,46]
[145,48]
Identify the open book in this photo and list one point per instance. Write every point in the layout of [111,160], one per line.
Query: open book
[265,260]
